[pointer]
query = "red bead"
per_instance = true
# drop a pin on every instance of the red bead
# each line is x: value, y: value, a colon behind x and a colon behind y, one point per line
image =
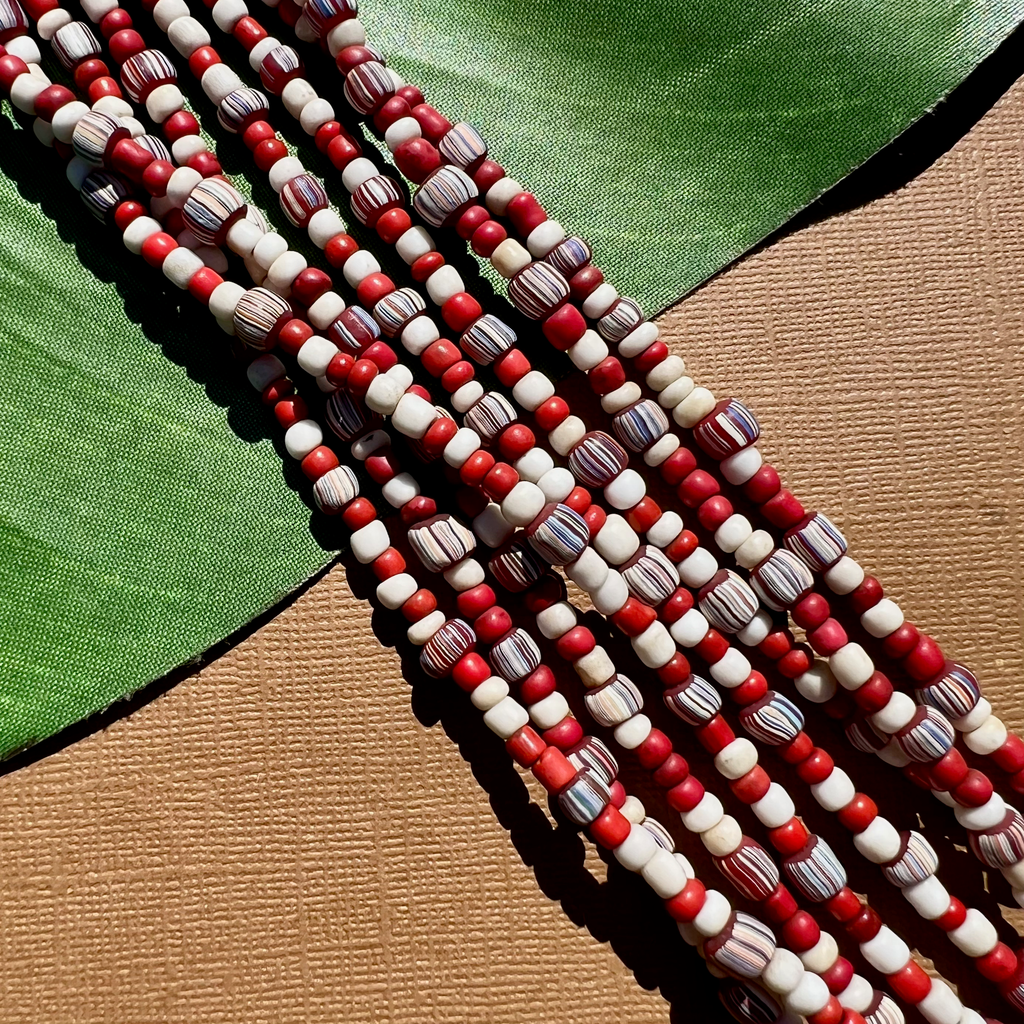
x: 801, y: 932
x: 389, y: 563
x: 1010, y: 756
x: 51, y: 99
x: 654, y: 750
x: 579, y: 499
x: 954, y: 916
x: 715, y: 735
x: 411, y: 94
x: 676, y: 671
x: 358, y: 514
x: 392, y: 224
x: 753, y: 688
x: 383, y: 465
x: 437, y: 357
x: 525, y: 212
x: 202, y: 60
x: 470, y: 219
x: 606, y: 376
x: 268, y: 152
x: 373, y: 288
x: 457, y: 375
x: 319, y: 461
x: 115, y: 20
x: 289, y: 12
x: 460, y: 311
x: 610, y: 828
x: 651, y: 357
x: 901, y: 641
x: 438, y: 434
x: 124, y: 44
x: 309, y: 285
x: 417, y: 158
x: 325, y: 133
x: 789, y: 838
x: 751, y: 787
x: 10, y: 68
x: 511, y: 366
x: 205, y: 163
x: 470, y: 671
x: 844, y: 906
x: 564, y: 327
x: 566, y: 734
x: 815, y: 768
x: 910, y: 982
x: 525, y: 746
x: 476, y: 467
x: 762, y: 485
x: 925, y: 661
x: 797, y: 749
x: 553, y: 770
x: 203, y: 283
x: 492, y: 624
x: 595, y: 518
x: 342, y: 150
x: 874, y: 694
x: 828, y: 638
x: 671, y: 771
x: 617, y: 794
x: 103, y: 86
x: 487, y: 174
x: 155, y: 177
x: 858, y: 813
x: 866, y: 596
x: 783, y: 510
x: 548, y: 590
x: 576, y: 643
x: 433, y: 124
x: 415, y: 510
x: 584, y: 281
x: 248, y: 31
x: 276, y: 390
x: 633, y: 618
x: 393, y: 110
x: 686, y: 905
x: 294, y: 335
x: 88, y: 71
x: 830, y: 1013
x: 998, y: 964
x: 795, y: 662
x: 686, y: 795
x: 339, y: 248
x: 257, y: 132
x: 780, y: 906
x: 683, y: 546
x: 515, y: 441
x: 644, y: 514
x: 551, y: 413
x: 865, y: 925
x: 157, y: 248
x: 713, y: 647
x: 810, y: 611
x: 714, y: 511
x: 290, y: 410
x: 677, y: 466
x: 696, y: 488
x: 423, y: 267
x: 676, y: 606
x: 487, y: 237
x: 950, y: 770
x: 975, y: 789
x: 537, y: 685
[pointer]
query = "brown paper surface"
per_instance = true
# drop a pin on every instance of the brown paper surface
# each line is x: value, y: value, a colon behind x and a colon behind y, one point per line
x: 278, y: 837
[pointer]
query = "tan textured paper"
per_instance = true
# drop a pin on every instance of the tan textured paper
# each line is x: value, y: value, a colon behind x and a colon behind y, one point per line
x: 278, y: 838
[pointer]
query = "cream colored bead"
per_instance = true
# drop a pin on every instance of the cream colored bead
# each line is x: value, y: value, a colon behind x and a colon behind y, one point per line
x: 732, y: 669
x: 756, y: 629
x: 612, y: 595
x: 714, y: 915
x: 464, y: 575
x: 667, y: 371
x: 974, y: 718
x: 675, y: 392
x: 664, y: 874
x: 988, y: 737
x: 756, y: 548
x: 742, y: 465
x: 694, y: 407
x: 633, y: 810
x: 737, y: 758
x: 621, y: 398
x: 817, y: 684
x: 690, y: 629
x: 852, y: 666
x: 556, y: 620
x: 723, y: 838
x: 492, y: 527
x: 631, y: 733
x: 654, y: 646
x: 490, y: 692
x: 509, y: 258
x: 567, y: 434
x: 845, y: 576
x: 595, y: 667
x: 500, y: 194
x: 661, y: 450
x: 506, y: 718
x: 883, y: 619
x: 549, y: 711
x: 296, y: 94
x: 733, y: 532
x: 599, y: 301
x: 822, y: 955
x: 705, y: 815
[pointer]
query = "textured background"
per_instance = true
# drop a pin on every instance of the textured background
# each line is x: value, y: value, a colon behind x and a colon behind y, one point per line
x: 277, y: 838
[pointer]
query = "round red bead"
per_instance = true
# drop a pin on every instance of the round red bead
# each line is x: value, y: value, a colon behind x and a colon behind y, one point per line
x: 551, y: 413
x: 762, y: 485
x: 319, y: 461
x: 858, y: 813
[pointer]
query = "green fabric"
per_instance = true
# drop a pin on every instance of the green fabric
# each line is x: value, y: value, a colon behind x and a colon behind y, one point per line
x: 144, y: 512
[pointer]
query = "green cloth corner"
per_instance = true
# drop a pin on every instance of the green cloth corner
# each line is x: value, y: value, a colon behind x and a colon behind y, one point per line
x: 145, y: 512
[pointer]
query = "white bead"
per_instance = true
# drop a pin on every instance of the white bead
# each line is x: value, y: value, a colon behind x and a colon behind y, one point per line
x: 968, y: 1016
x: 941, y: 1005
x: 626, y: 490
x: 402, y: 130
x: 370, y: 541
x: 557, y: 484
x: 654, y: 646
x: 363, y: 447
x: 886, y: 952
x: 879, y: 842
x: 756, y: 629
x: 413, y: 244
x: 492, y: 527
x: 898, y: 711
x: 636, y: 849
x: 65, y: 119
x: 817, y: 684
x: 599, y: 301
x: 976, y: 936
x: 694, y: 407
x: 547, y: 713
x: 302, y: 437
x: 326, y: 310
x: 858, y: 995
x: 783, y: 972
x: 666, y: 372
x: 95, y: 11
x: 419, y: 334
x: 295, y: 95
x: 665, y: 530
x: 612, y: 595
x: 567, y: 434
x: 775, y: 808
x: 383, y: 394
x: 631, y: 733
x: 675, y: 393
x: 845, y: 576
x: 166, y: 12
x: 714, y: 915
x: 929, y: 898
x: 544, y: 237
x: 809, y: 996
x: 852, y: 666
x: 467, y: 396
x: 733, y: 532
x: 314, y: 113
x: 77, y: 170
x: 42, y: 130
x: 883, y: 618
x: 283, y: 271
x: 616, y: 541
x: 835, y: 792
x: 556, y: 620
x: 705, y: 815
x: 394, y: 592
x: 412, y: 415
x: 594, y: 668
x: 228, y: 13
x: 509, y: 258
x: 180, y: 186
x: 988, y: 815
x: 261, y: 49
x: 501, y: 193
x: 323, y: 226
x: 737, y: 758
x: 138, y: 231
x: 621, y: 398
x: 633, y: 810
x: 589, y: 571
x: 690, y: 629
x: 731, y: 669
x: 698, y: 568
x: 243, y: 236
x: 464, y: 575
x: 348, y: 33
x: 24, y: 90
x: 135, y: 126
x: 588, y: 351
x: 522, y: 504
x: 638, y: 340
x: 325, y: 385
x: 443, y: 283
x: 400, y: 489
x: 1014, y: 874
x: 224, y: 298
x: 944, y: 797
x: 420, y: 632
x: 756, y: 548
x: 534, y: 464
x: 739, y: 467
x: 179, y: 266
x: 988, y: 737
x: 186, y: 35
x: 532, y: 390
x: 219, y: 81
x: 490, y: 692
x: 723, y: 838
x: 49, y: 22
x: 822, y: 955
x: 264, y: 370
x: 506, y: 718
x: 974, y: 718
x: 359, y: 266
x: 283, y: 171
x: 664, y: 874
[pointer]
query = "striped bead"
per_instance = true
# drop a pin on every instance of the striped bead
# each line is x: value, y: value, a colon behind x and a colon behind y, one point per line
x: 74, y: 43
x: 584, y: 798
x: 254, y: 215
x: 450, y: 643
x: 661, y: 835
x: 927, y: 736
x: 649, y: 575
x: 559, y: 535
x: 743, y: 948
x: 728, y: 428
x: 751, y: 870
x: 611, y: 704
x: 816, y: 542
x: 368, y: 86
x: 570, y: 256
x: 335, y: 489
x: 490, y: 415
x: 240, y: 108
x: 750, y: 1004
x: 323, y: 15
x: 279, y: 67
x: 13, y: 21
x: 882, y: 1010
x: 462, y: 145
x: 1013, y: 994
x: 301, y: 197
x: 864, y: 736
x: 211, y: 208
x: 623, y: 318
x: 259, y: 316
x: 515, y: 566
x: 538, y: 290
x: 353, y: 330
x: 916, y: 861
x: 694, y: 700
x: 151, y: 144
x: 774, y: 719
x: 1001, y: 846
x: 593, y: 755
x: 515, y: 655
x: 374, y: 197
x: 487, y: 338
x: 639, y: 425
x: 955, y: 692
x: 781, y: 580
x: 95, y: 136
x: 727, y: 601
x: 395, y: 310
x: 444, y: 194
x: 141, y: 74
x: 440, y: 542
x: 349, y: 418
x: 102, y: 193
x: 597, y: 459
x: 816, y: 871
